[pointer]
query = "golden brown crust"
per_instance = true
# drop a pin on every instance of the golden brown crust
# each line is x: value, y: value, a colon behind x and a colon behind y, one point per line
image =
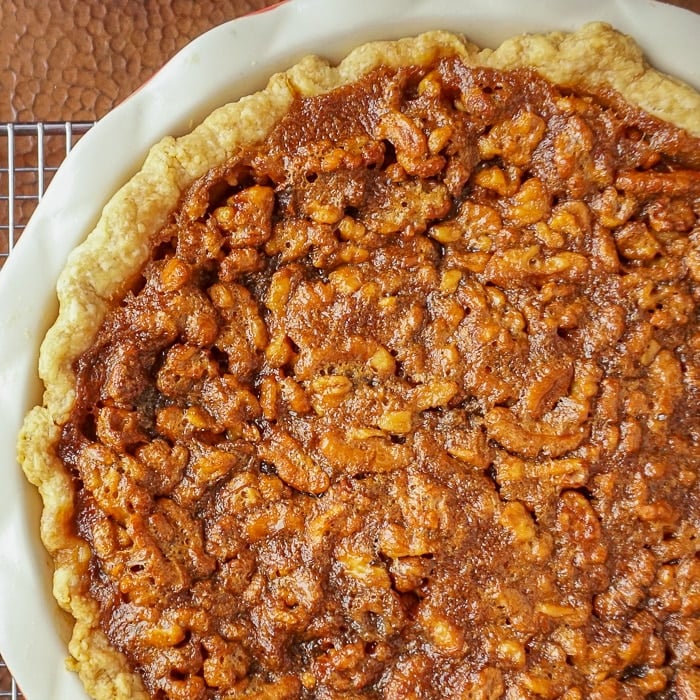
x: 595, y: 56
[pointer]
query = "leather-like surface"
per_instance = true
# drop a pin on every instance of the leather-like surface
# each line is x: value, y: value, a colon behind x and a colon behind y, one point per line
x: 67, y: 60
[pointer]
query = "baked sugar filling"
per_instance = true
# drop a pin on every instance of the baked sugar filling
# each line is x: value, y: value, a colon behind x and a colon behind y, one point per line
x: 405, y: 405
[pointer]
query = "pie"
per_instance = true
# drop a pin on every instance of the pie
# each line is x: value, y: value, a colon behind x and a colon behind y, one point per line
x: 383, y: 383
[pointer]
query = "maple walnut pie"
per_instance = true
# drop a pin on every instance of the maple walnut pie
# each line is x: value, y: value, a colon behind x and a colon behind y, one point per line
x: 383, y: 383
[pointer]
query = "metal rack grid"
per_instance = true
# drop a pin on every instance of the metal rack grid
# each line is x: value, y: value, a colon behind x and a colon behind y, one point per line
x: 29, y: 157
x: 8, y: 685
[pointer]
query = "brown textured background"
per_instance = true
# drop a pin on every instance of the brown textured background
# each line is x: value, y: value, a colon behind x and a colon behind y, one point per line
x: 76, y: 59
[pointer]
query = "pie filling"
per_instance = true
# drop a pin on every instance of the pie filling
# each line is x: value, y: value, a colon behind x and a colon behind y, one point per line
x: 405, y: 405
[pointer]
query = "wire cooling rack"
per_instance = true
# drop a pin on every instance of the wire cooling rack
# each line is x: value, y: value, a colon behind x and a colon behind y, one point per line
x: 8, y: 686
x: 29, y: 156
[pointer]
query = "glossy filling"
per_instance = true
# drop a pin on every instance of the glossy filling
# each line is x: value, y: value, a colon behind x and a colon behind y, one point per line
x: 405, y: 405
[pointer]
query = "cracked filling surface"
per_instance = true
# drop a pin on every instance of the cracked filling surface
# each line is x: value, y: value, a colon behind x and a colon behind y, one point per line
x: 405, y: 405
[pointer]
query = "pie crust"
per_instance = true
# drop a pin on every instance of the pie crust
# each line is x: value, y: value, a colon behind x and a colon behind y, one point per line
x: 100, y: 270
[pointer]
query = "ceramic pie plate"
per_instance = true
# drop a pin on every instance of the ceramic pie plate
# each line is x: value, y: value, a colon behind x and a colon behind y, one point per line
x: 227, y: 62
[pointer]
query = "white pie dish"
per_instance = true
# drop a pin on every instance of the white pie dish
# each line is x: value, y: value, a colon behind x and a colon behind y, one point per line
x: 227, y: 62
